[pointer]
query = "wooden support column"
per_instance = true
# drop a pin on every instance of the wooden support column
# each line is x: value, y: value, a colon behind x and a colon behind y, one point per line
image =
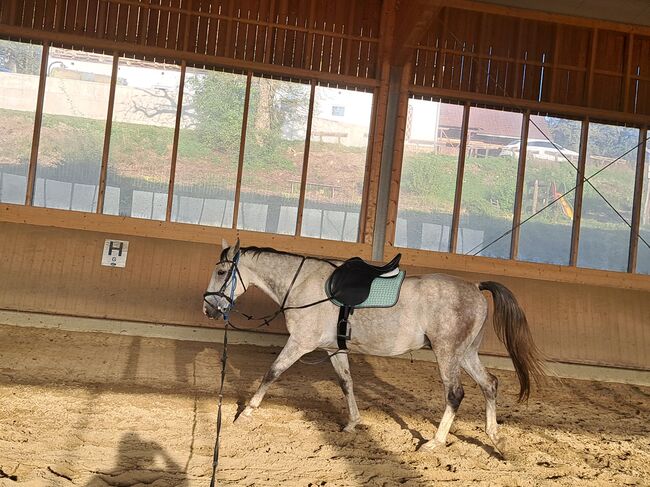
x: 177, y: 130
x: 393, y: 152
x: 101, y: 191
x: 455, y: 221
x: 577, y: 207
x: 638, y: 200
x: 305, y: 160
x: 242, y: 148
x: 370, y: 206
x: 38, y: 120
x: 519, y: 191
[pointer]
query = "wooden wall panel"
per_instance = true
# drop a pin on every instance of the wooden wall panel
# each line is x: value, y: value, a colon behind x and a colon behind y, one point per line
x: 57, y: 271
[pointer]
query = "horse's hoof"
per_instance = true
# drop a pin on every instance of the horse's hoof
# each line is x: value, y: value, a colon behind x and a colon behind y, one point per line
x: 245, y: 416
x: 500, y: 445
x: 350, y: 428
x: 431, y: 445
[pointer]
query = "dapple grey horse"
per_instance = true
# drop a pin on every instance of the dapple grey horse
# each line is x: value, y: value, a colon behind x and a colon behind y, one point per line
x: 442, y: 311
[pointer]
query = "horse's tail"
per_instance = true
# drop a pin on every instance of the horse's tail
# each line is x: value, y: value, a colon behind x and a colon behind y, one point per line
x: 512, y: 329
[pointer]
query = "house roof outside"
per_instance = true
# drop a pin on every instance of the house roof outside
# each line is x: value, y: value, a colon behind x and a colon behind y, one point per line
x: 487, y: 122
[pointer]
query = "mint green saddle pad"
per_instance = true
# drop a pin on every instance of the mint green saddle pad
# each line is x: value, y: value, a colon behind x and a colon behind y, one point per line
x: 384, y: 292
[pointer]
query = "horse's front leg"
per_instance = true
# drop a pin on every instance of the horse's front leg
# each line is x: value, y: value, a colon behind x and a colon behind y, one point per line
x: 342, y: 368
x: 291, y: 352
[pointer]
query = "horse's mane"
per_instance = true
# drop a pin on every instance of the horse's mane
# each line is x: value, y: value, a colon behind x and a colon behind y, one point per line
x: 256, y: 251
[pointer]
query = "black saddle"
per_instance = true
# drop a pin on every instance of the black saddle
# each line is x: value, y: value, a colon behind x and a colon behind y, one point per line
x: 350, y: 283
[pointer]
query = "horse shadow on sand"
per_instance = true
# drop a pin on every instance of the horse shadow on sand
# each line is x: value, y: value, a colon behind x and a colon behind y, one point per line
x: 140, y: 462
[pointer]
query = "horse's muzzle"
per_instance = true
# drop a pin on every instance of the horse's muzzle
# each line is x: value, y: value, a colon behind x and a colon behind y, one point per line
x: 211, y: 309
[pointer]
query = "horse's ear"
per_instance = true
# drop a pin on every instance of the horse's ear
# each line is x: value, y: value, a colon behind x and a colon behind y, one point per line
x: 232, y: 251
x: 224, y: 244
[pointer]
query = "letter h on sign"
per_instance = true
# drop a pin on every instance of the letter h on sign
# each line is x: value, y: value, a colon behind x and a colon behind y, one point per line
x: 115, y: 252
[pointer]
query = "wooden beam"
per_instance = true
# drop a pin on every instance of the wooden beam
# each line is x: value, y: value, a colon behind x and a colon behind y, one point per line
x: 455, y: 221
x: 577, y: 207
x: 305, y: 160
x: 177, y: 131
x: 627, y: 81
x: 242, y: 149
x: 368, y: 214
x: 639, y: 182
x: 524, y: 13
x: 557, y: 42
x: 414, y: 18
x: 397, y: 153
x: 120, y: 225
x: 190, y: 57
x: 38, y: 120
x: 101, y: 190
x: 519, y: 190
x: 591, y: 68
x: 520, y: 104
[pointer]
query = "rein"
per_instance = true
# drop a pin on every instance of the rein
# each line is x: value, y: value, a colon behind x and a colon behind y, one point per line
x: 231, y: 280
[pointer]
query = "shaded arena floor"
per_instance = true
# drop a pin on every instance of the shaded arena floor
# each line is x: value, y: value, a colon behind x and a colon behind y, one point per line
x: 95, y: 410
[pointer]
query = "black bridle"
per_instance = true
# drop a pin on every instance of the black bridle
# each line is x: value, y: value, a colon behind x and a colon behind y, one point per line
x: 233, y: 274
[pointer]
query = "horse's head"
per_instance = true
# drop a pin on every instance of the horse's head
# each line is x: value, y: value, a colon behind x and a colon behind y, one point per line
x: 225, y: 284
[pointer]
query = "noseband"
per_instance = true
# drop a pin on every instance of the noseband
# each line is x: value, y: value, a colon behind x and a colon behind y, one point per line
x: 231, y: 279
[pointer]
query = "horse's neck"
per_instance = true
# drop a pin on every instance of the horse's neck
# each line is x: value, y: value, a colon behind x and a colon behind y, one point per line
x: 272, y: 273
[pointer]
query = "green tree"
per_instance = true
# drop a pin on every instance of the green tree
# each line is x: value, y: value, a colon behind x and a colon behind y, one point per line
x: 19, y: 57
x: 218, y: 100
x: 277, y: 115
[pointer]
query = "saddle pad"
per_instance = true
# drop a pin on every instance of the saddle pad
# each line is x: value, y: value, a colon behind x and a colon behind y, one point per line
x: 384, y: 292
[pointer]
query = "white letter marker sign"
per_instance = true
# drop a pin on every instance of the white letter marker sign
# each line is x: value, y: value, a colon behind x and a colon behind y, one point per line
x: 114, y: 254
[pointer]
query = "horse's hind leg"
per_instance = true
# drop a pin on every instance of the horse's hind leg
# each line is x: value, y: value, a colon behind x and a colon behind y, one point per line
x: 291, y: 352
x: 342, y: 368
x: 488, y: 384
x: 449, y: 367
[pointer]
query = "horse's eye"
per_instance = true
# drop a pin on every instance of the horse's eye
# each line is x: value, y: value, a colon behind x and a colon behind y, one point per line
x: 221, y: 273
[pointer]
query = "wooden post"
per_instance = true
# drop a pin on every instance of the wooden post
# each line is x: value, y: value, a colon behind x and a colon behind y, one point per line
x: 455, y: 221
x: 38, y: 120
x: 242, y: 148
x: 638, y: 194
x: 305, y: 159
x: 519, y: 191
x: 580, y: 179
x: 177, y: 130
x: 101, y: 192
x: 393, y: 153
